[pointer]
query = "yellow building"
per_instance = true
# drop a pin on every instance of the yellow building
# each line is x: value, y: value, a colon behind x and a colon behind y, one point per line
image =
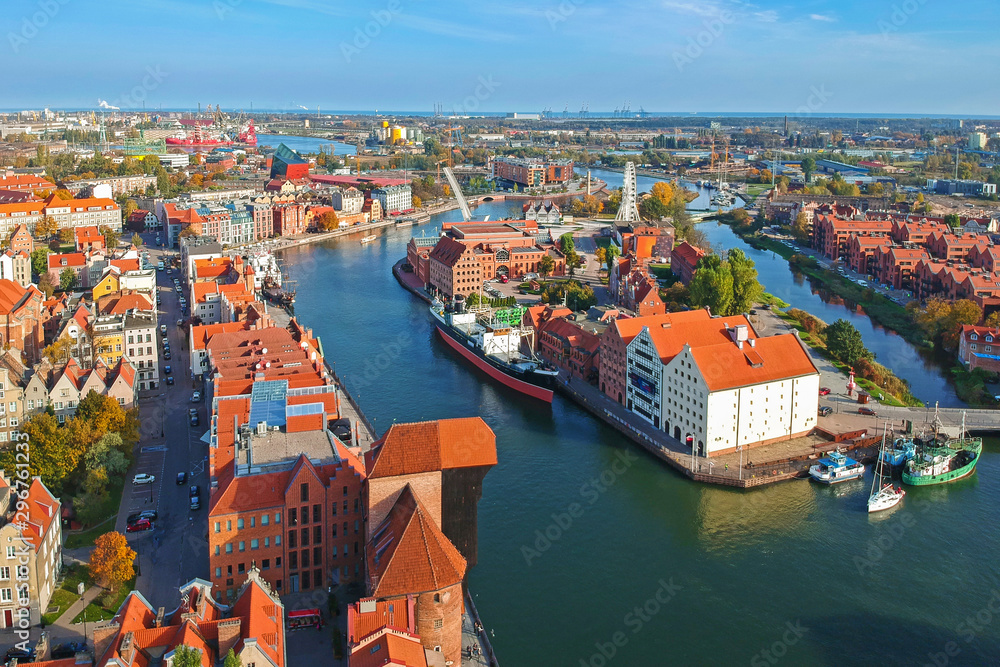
x: 109, y: 339
x: 109, y: 284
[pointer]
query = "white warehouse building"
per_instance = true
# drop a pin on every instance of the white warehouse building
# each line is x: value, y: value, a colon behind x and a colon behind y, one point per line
x: 713, y: 384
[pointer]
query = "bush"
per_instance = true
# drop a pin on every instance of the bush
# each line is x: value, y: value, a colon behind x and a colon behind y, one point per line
x: 810, y: 323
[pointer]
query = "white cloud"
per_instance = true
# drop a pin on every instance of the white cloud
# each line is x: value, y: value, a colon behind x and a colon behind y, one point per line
x: 822, y: 17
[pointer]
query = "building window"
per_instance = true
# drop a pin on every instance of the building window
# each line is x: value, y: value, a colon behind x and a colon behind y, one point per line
x: 293, y: 517
x: 265, y: 564
x: 304, y: 493
x: 317, y: 534
x: 254, y: 544
x: 333, y: 511
x: 305, y: 514
x: 264, y: 520
x: 317, y: 513
x: 4, y: 574
x: 217, y: 526
x: 229, y: 547
x: 239, y: 524
x: 229, y: 525
x: 277, y: 517
x: 305, y: 537
x: 5, y: 595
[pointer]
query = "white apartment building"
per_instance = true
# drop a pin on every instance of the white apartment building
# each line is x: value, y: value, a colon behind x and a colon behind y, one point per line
x: 394, y: 198
x: 38, y: 540
x: 141, y: 347
x: 67, y: 213
x: 714, y: 385
x: 348, y: 201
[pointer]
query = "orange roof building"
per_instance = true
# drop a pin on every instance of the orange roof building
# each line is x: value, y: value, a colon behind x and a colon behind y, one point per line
x: 712, y: 383
x: 36, y: 533
x: 252, y: 626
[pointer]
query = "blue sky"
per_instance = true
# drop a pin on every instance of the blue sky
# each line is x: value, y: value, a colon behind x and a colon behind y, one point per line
x: 821, y: 56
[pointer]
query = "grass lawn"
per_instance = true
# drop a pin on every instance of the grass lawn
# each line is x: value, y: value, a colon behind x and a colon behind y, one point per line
x: 87, y: 537
x: 755, y: 189
x: 95, y: 611
x: 64, y: 596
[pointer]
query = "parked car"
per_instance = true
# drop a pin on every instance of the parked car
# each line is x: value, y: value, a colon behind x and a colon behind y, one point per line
x: 166, y: 354
x: 147, y: 514
x: 165, y: 341
x: 824, y: 391
x: 193, y: 415
x: 68, y: 650
x: 195, y: 397
x: 182, y: 477
x: 144, y: 478
x: 163, y: 329
x: 865, y: 410
x: 166, y: 369
x: 170, y: 379
x: 825, y: 410
x: 22, y: 655
x: 139, y: 526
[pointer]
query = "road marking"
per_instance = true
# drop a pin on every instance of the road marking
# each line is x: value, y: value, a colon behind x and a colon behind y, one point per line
x: 154, y: 448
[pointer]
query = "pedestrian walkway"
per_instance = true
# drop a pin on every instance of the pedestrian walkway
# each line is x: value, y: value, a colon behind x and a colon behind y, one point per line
x: 64, y: 629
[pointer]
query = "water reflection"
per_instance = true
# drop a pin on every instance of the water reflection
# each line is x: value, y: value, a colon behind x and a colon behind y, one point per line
x: 731, y: 520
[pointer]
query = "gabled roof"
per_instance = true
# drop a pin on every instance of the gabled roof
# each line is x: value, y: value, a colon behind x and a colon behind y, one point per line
x: 430, y: 446
x: 67, y: 260
x: 448, y: 251
x: 42, y: 510
x: 726, y: 366
x: 13, y: 296
x: 408, y: 553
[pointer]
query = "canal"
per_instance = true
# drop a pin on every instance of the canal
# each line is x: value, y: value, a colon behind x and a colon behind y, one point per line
x: 584, y: 541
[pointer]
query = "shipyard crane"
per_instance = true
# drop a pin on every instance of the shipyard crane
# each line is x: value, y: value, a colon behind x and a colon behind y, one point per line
x: 462, y: 204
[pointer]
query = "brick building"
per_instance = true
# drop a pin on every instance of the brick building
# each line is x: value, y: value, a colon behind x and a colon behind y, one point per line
x: 288, y: 219
x: 423, y: 487
x: 21, y: 319
x: 684, y: 261
x: 979, y: 347
x: 454, y: 269
x: 21, y: 240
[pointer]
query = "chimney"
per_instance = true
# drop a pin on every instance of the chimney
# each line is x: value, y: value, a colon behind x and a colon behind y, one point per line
x: 160, y: 612
x: 103, y: 636
x: 229, y: 634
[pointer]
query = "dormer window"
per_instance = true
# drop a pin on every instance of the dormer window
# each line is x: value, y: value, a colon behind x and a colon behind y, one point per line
x: 989, y: 339
x: 974, y: 337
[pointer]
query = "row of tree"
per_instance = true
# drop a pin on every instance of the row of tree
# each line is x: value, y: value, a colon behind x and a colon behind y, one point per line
x: 727, y: 286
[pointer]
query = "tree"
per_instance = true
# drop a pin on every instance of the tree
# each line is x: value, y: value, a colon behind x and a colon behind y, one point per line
x: 963, y: 311
x: 993, y: 320
x: 111, y: 237
x: 416, y: 201
x: 136, y: 240
x: 107, y: 454
x: 59, y: 350
x: 47, y: 227
x: 45, y: 285
x: 953, y: 220
x: 653, y: 208
x: 105, y: 415
x: 67, y: 279
x: 128, y: 207
x: 186, y: 232
x: 844, y: 342
x: 712, y: 285
x: 808, y: 167
x: 747, y: 290
x: 53, y: 457
x: 566, y: 243
x: 601, y: 255
x: 800, y: 228
x: 663, y: 191
x: 112, y: 562
x: 66, y: 235
x: 546, y: 265
x: 327, y: 221
x: 610, y: 253
x: 232, y: 660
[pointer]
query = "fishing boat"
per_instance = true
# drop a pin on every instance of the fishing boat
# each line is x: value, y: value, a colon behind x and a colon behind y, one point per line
x: 836, y: 468
x: 490, y: 339
x: 902, y: 450
x: 884, y: 495
x: 368, y: 239
x: 942, y: 460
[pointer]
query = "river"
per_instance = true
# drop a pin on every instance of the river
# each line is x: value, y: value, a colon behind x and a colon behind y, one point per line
x: 578, y: 528
x: 920, y: 369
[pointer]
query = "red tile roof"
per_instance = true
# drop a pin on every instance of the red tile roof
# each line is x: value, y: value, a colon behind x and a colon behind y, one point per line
x: 429, y: 446
x: 408, y: 553
x: 43, y: 509
x: 67, y: 260
x: 725, y: 366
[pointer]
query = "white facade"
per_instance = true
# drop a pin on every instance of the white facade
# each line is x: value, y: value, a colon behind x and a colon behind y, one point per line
x: 141, y: 347
x: 348, y: 202
x: 394, y: 198
x: 675, y: 397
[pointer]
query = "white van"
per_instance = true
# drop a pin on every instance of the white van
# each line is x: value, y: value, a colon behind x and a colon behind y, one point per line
x: 159, y: 265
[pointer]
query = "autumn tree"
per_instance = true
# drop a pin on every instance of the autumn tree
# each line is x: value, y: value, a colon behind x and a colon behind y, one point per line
x: 128, y: 207
x: 993, y: 320
x: 46, y: 228
x: 112, y: 563
x: 601, y: 255
x: 105, y: 415
x: 52, y: 456
x: 187, y: 231
x: 59, y: 350
x: 136, y: 240
x: 66, y: 235
x: 663, y: 191
x: 942, y: 320
x: 416, y: 201
x: 111, y: 237
x: 328, y: 221
x: 800, y: 228
x: 46, y: 285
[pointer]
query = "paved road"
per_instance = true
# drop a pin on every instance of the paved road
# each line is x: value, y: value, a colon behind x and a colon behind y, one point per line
x: 176, y: 550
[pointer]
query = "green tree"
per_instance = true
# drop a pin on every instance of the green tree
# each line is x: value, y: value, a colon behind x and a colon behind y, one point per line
x: 51, y: 456
x: 232, y: 660
x: 808, y: 167
x: 136, y: 240
x: 105, y: 415
x: 610, y: 253
x: 844, y: 342
x: 653, y: 208
x: 712, y: 285
x: 107, y: 454
x: 800, y: 228
x: 185, y: 656
x: 952, y: 219
x: 40, y: 261
x: 566, y: 243
x: 111, y: 237
x: 747, y: 290
x: 546, y: 265
x: 67, y: 279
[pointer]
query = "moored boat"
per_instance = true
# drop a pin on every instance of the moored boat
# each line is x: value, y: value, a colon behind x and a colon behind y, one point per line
x: 902, y: 450
x: 944, y: 460
x: 836, y: 468
x: 491, y: 341
x: 368, y: 239
x: 884, y: 495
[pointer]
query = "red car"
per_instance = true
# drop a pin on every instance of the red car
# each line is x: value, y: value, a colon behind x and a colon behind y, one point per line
x: 139, y: 526
x: 824, y: 391
x: 867, y: 411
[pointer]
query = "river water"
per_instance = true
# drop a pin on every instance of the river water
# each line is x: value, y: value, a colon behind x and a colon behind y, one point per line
x: 578, y: 528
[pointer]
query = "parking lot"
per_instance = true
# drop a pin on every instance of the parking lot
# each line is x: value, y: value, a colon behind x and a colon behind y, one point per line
x: 151, y: 461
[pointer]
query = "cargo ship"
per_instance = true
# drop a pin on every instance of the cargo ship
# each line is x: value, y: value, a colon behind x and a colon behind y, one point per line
x: 198, y: 136
x: 490, y: 340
